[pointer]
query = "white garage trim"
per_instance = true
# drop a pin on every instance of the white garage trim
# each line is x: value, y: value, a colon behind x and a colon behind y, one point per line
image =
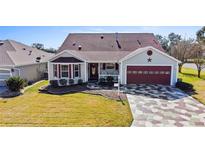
x: 140, y: 50
x: 172, y: 69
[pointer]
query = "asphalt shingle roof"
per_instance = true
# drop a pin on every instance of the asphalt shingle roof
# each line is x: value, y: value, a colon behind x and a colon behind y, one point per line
x: 107, y: 46
x: 16, y: 53
x: 109, y: 41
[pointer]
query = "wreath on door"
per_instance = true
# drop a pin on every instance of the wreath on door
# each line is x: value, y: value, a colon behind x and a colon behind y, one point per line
x: 93, y: 70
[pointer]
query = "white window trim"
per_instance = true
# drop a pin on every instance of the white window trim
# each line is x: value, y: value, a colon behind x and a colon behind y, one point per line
x: 64, y: 72
x: 56, y: 70
x: 76, y: 70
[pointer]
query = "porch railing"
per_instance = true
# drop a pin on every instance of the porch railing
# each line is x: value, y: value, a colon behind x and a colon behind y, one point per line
x: 104, y: 76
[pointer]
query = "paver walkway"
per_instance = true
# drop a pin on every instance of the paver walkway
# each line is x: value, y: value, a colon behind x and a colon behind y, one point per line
x: 158, y: 105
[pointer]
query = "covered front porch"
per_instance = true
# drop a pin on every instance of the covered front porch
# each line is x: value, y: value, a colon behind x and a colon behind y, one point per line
x: 73, y: 72
x: 101, y: 71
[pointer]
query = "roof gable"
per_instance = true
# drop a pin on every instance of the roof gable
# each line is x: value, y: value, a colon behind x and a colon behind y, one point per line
x: 67, y: 60
x: 145, y: 49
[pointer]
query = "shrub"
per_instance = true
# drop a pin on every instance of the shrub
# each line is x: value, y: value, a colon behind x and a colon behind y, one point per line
x: 15, y: 84
x: 184, y: 86
x: 71, y: 81
x: 102, y: 80
x: 63, y: 82
x: 80, y: 81
x: 110, y: 80
x: 25, y: 82
x: 179, y: 80
x: 30, y: 82
x: 54, y: 83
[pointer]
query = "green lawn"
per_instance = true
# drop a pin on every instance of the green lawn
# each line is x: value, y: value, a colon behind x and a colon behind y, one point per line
x: 190, y: 76
x: 78, y: 109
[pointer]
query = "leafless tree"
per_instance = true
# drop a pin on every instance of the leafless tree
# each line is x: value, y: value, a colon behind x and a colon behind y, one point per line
x: 182, y: 51
x: 198, y: 57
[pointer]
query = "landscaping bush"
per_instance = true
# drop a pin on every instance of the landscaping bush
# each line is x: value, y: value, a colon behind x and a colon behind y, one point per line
x: 179, y: 80
x: 54, y: 83
x: 15, y: 84
x: 101, y: 81
x: 110, y: 80
x: 80, y: 81
x: 184, y: 86
x: 63, y: 82
x: 25, y: 82
x: 71, y: 81
x: 30, y: 82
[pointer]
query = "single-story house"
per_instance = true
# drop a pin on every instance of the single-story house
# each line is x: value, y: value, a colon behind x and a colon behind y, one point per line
x: 130, y: 58
x: 17, y: 59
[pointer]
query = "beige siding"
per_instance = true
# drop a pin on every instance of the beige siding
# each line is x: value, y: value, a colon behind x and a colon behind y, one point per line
x: 158, y: 59
x: 32, y: 72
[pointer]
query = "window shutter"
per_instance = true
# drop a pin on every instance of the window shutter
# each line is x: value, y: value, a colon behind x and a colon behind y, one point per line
x: 59, y: 70
x: 103, y: 66
x: 116, y: 66
x: 73, y: 70
x: 69, y: 67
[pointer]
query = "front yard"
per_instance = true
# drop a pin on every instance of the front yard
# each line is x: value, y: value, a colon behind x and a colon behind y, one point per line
x: 190, y: 76
x: 77, y: 109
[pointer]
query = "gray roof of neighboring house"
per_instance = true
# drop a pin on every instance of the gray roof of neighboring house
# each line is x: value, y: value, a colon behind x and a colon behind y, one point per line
x: 16, y: 53
x: 109, y: 41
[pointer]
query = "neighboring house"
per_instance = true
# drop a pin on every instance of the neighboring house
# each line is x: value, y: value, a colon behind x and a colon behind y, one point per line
x: 17, y: 59
x: 133, y: 58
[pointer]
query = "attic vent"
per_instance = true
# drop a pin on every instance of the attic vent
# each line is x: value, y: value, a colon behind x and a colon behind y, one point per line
x: 74, y: 43
x: 79, y: 47
x: 1, y: 42
x: 155, y: 41
x: 38, y: 59
x: 101, y: 36
x: 139, y: 42
x: 24, y: 48
x: 30, y: 52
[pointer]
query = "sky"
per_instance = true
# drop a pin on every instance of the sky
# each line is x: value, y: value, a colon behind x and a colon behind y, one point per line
x: 53, y: 36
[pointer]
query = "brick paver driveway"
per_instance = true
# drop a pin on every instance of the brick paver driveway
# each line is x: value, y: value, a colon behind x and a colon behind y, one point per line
x: 157, y: 105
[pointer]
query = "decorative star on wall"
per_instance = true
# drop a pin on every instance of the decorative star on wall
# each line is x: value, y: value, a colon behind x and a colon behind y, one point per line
x: 149, y: 60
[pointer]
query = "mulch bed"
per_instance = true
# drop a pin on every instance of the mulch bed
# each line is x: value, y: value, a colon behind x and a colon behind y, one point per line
x: 63, y: 90
x: 9, y: 94
x: 111, y: 94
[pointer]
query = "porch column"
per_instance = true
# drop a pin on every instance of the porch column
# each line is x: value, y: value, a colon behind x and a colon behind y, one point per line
x: 120, y: 72
x: 85, y: 67
x: 71, y: 71
x: 49, y: 72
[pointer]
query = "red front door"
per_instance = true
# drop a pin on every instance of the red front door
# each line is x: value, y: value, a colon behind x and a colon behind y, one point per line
x: 149, y: 75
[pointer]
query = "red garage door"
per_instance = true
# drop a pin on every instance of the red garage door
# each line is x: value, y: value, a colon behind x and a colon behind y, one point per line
x: 149, y: 75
